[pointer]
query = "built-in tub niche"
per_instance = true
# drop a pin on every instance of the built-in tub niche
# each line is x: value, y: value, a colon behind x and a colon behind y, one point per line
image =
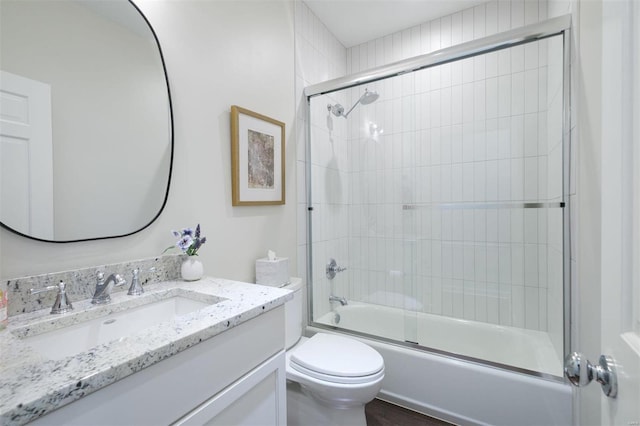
x: 446, y: 200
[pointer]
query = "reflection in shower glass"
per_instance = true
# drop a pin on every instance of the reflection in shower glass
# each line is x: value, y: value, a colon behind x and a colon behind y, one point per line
x: 443, y: 198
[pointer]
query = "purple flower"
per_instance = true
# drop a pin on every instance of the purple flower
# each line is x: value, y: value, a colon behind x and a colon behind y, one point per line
x: 184, y: 243
x: 189, y: 241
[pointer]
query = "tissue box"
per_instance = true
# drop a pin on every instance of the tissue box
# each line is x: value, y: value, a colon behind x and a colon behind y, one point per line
x: 273, y: 273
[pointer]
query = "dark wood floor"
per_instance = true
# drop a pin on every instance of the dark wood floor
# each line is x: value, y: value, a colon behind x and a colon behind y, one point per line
x: 381, y: 413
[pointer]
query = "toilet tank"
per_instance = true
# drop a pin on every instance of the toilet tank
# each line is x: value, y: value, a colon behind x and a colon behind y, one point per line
x: 293, y: 313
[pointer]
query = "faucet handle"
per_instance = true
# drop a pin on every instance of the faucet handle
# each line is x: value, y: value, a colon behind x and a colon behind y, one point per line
x: 136, y: 288
x: 62, y: 303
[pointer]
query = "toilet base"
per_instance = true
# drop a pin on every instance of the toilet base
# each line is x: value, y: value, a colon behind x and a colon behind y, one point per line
x: 304, y: 410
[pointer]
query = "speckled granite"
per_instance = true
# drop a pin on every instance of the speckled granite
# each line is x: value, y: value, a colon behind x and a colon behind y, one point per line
x: 81, y: 283
x: 32, y: 385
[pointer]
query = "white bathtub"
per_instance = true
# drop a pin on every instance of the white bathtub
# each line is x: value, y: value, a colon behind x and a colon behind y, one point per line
x: 456, y: 390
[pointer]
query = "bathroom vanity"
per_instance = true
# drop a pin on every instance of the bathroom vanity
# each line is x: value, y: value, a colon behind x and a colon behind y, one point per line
x: 221, y: 362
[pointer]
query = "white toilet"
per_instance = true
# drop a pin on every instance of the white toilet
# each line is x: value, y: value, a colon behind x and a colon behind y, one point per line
x: 330, y: 378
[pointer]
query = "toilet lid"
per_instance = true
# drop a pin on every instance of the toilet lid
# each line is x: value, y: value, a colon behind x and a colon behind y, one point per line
x: 337, y: 356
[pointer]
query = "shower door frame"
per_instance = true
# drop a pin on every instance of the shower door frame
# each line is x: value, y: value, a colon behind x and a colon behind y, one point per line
x: 558, y: 26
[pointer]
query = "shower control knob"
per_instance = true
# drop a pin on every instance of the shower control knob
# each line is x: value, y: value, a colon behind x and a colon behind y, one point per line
x: 581, y: 372
x: 332, y: 269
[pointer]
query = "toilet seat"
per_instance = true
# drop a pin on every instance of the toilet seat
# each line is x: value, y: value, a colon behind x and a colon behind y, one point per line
x: 337, y: 359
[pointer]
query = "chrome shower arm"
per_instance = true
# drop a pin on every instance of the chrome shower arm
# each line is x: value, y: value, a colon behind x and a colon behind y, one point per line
x: 351, y: 109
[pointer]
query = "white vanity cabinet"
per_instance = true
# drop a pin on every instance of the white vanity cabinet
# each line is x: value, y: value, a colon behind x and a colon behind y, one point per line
x: 234, y: 378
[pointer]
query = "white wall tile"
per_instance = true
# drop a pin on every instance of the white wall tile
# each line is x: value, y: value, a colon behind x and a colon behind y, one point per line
x: 467, y: 102
x: 531, y: 265
x: 491, y: 93
x: 479, y: 21
x: 469, y: 263
x: 504, y: 96
x: 480, y: 263
x: 458, y: 225
x: 504, y: 180
x: 456, y: 28
x: 468, y: 222
x: 479, y: 101
x: 491, y: 17
x: 517, y: 13
x: 469, y: 300
x: 531, y: 178
x: 492, y: 139
x: 530, y: 135
x: 445, y: 31
x: 505, y: 305
x: 492, y: 226
x: 468, y: 19
x: 504, y: 15
x: 445, y: 137
x: 445, y: 106
x: 517, y: 225
x: 458, y: 261
x: 468, y: 182
x: 457, y: 182
x: 531, y: 11
x: 517, y: 307
x: 531, y: 91
x: 445, y: 75
x: 493, y: 268
x: 479, y: 181
x: 480, y: 226
x: 446, y: 182
x: 517, y: 93
x: 479, y: 141
x: 457, y: 296
x: 517, y: 264
x: 447, y: 260
x: 493, y: 303
x: 517, y: 179
x: 481, y: 313
x: 468, y: 149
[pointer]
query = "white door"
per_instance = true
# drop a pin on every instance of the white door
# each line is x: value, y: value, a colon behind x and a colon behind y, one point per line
x: 609, y: 318
x: 26, y: 156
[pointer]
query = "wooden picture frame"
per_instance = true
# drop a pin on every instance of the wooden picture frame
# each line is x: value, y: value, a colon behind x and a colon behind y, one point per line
x: 257, y: 159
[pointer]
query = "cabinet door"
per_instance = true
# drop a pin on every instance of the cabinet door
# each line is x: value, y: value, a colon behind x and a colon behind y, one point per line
x: 257, y: 399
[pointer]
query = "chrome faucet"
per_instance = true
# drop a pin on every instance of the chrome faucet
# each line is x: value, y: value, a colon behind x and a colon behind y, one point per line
x: 104, y: 286
x: 342, y: 300
x: 62, y: 303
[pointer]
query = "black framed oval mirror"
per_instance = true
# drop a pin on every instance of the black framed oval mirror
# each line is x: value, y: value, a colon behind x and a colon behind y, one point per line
x: 86, y: 122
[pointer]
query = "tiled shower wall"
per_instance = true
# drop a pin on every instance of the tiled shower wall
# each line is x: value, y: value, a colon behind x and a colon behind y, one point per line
x: 320, y: 57
x: 471, y: 131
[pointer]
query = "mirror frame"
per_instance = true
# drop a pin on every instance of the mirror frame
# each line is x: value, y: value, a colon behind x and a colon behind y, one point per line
x: 172, y: 142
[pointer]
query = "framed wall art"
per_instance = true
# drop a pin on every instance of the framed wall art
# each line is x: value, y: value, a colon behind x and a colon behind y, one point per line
x: 257, y: 159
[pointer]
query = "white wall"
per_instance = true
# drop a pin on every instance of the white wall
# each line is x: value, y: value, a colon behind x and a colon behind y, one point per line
x: 217, y: 54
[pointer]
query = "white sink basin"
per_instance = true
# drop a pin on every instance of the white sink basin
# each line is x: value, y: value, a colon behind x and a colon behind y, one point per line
x: 77, y: 338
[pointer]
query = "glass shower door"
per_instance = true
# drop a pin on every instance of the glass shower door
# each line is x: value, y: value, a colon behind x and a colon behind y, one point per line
x: 442, y: 191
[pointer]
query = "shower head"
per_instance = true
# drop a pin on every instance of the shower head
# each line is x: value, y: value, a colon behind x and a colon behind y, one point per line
x: 366, y: 99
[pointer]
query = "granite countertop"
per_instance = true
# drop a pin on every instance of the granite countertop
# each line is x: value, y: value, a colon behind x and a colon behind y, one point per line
x: 32, y: 384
